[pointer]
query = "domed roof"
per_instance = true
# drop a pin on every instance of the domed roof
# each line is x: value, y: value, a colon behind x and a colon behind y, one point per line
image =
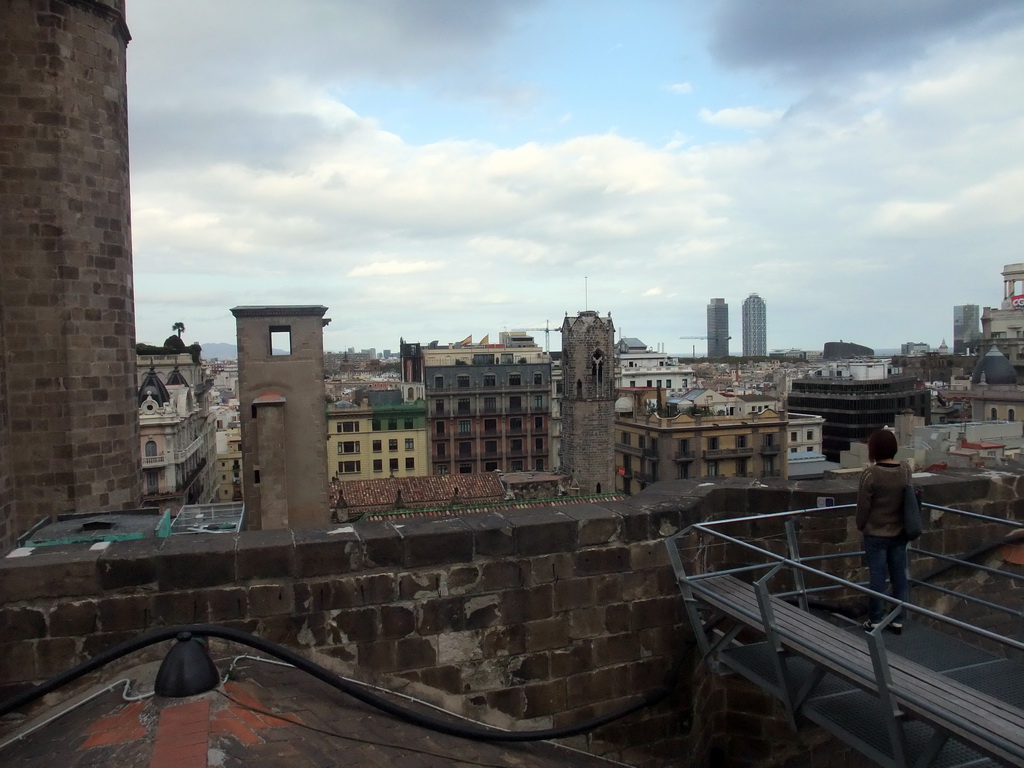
x: 995, y: 368
x: 176, y: 379
x: 151, y: 386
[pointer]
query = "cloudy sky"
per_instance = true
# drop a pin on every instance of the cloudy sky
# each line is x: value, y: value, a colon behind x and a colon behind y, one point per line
x: 436, y: 169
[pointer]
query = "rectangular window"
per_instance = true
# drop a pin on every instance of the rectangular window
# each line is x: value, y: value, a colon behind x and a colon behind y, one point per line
x: 712, y: 468
x: 517, y: 465
x: 490, y: 380
x: 538, y: 379
x: 337, y: 426
x: 410, y: 444
x: 393, y: 444
x: 741, y: 467
x: 769, y: 440
x: 439, y: 427
x: 465, y: 449
x: 684, y: 446
x: 683, y: 471
x: 442, y: 450
x: 538, y: 401
x: 392, y: 424
x: 538, y: 465
x: 440, y: 469
x: 378, y: 465
x: 792, y: 436
x: 464, y: 405
x: 439, y: 407
x: 490, y: 466
x: 375, y: 425
x: 741, y: 441
x: 439, y: 382
x: 351, y: 446
x: 490, y: 426
x: 348, y: 467
x: 410, y: 462
x: 641, y: 441
x: 712, y: 443
x: 280, y: 340
x: 393, y: 465
x: 668, y: 383
x: 538, y: 443
x: 491, y: 447
x: 465, y: 469
x: 376, y: 446
x: 490, y: 405
x: 463, y: 426
x: 810, y: 434
x: 339, y: 449
x: 407, y: 424
x: 350, y: 426
x: 515, y: 424
x: 517, y: 445
x: 515, y: 403
x: 515, y: 379
x: 625, y: 438
x: 462, y: 381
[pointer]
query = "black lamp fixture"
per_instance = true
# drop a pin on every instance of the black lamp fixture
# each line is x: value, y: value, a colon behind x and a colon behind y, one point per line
x: 186, y: 670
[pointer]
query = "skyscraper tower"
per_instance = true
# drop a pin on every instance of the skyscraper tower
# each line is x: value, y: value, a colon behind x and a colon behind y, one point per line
x: 69, y: 427
x: 755, y: 342
x: 966, y: 329
x: 718, y: 329
x: 588, y: 401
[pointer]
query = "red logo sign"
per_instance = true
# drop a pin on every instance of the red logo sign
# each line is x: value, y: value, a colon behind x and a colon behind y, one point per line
x: 1017, y: 302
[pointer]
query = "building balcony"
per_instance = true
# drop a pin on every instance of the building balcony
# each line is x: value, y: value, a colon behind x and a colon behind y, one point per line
x: 632, y: 450
x: 161, y: 460
x: 684, y: 456
x: 729, y: 453
x: 771, y: 450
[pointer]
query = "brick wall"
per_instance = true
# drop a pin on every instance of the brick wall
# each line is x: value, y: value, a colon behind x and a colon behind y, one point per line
x: 542, y: 617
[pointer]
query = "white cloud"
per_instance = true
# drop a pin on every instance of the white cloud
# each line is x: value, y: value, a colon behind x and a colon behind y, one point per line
x: 680, y: 88
x: 740, y: 117
x: 380, y: 268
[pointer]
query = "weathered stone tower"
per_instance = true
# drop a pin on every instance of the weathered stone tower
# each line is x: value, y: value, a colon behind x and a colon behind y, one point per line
x: 588, y: 401
x: 69, y: 436
x: 284, y: 416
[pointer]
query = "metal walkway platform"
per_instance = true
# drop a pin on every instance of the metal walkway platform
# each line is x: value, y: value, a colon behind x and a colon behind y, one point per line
x: 942, y: 693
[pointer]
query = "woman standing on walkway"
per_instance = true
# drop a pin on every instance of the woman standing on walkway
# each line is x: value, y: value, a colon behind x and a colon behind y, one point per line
x: 880, y: 519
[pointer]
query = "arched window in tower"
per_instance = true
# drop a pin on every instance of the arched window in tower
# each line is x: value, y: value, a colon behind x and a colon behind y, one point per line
x: 597, y: 365
x: 579, y: 389
x: 150, y: 448
x: 1011, y: 415
x: 992, y: 415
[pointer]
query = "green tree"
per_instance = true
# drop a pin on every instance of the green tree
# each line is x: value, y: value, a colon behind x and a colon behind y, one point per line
x: 179, y: 328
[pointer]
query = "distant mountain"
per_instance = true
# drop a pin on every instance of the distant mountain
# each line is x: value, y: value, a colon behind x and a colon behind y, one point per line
x: 220, y: 351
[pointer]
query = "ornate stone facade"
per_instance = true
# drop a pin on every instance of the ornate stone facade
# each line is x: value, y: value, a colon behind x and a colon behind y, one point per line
x: 69, y: 435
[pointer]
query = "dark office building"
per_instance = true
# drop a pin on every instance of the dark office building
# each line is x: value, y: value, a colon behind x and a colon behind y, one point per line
x: 854, y: 408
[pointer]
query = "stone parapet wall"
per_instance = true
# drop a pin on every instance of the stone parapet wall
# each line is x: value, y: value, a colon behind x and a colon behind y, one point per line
x: 532, y: 618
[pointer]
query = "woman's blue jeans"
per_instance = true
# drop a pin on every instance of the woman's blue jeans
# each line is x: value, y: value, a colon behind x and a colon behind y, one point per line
x: 887, y: 561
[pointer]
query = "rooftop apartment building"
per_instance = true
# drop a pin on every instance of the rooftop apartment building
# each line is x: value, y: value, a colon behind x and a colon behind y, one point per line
x: 488, y: 405
x: 639, y: 366
x: 857, y: 397
x: 718, y: 329
x: 658, y: 439
x: 379, y: 437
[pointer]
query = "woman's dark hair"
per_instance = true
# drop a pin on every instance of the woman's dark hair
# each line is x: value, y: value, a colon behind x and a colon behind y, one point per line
x: 882, y: 445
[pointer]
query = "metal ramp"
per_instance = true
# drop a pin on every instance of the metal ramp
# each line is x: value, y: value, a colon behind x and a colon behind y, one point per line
x: 931, y: 696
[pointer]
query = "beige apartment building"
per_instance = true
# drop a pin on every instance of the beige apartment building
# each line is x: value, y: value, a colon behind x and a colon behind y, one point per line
x: 656, y: 439
x: 367, y: 441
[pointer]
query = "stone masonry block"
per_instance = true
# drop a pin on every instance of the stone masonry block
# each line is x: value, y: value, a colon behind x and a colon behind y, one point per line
x: 493, y: 534
x: 122, y: 613
x: 546, y: 634
x: 270, y: 600
x: 541, y: 533
x: 178, y: 608
x: 268, y: 554
x: 355, y: 591
x: 415, y: 653
x: 501, y: 575
x: 381, y: 544
x: 129, y: 564
x: 421, y: 585
x: 530, y: 604
x: 378, y: 657
x: 319, y: 553
x: 544, y: 698
x: 601, y: 560
x: 55, y: 655
x: 21, y: 624
x: 396, y: 621
x: 574, y: 593
x: 596, y: 524
x: 18, y: 661
x: 73, y: 619
x: 441, y: 614
x: 226, y: 604
x: 359, y: 625
x: 67, y: 573
x: 435, y: 541
x: 187, y: 562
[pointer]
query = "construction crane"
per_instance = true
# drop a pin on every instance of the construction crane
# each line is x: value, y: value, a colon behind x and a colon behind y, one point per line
x: 547, y: 333
x: 693, y: 347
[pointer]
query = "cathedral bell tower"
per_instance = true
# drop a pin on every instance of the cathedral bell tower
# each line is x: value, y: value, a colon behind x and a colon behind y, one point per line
x: 588, y: 402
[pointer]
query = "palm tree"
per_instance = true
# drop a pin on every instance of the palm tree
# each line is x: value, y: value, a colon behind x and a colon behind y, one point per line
x: 179, y: 327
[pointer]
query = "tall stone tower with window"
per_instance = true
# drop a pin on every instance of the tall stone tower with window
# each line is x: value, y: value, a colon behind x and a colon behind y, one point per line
x: 588, y: 401
x: 69, y: 429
